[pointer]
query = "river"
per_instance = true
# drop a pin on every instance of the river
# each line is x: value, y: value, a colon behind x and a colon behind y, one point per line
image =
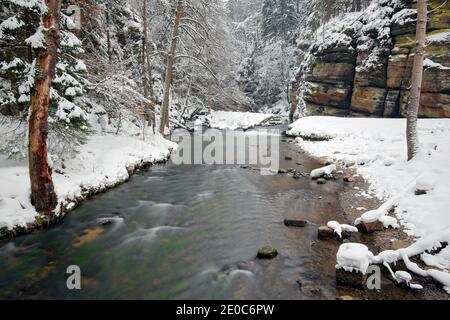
x: 186, y: 232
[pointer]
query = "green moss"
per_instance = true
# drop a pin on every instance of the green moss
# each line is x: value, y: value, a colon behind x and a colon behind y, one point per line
x: 440, y: 18
x: 437, y: 49
x: 406, y: 41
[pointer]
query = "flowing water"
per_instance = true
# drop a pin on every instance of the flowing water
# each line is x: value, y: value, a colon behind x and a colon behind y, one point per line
x: 185, y: 232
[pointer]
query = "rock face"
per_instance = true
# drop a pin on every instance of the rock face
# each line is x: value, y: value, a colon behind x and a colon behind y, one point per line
x: 367, y: 70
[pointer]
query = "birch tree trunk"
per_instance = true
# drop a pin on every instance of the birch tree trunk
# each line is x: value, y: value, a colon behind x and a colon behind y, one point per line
x: 43, y: 195
x: 169, y: 72
x: 416, y: 80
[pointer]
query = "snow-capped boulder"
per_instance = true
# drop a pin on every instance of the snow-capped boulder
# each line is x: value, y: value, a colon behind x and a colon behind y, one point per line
x: 353, y: 261
x: 320, y: 172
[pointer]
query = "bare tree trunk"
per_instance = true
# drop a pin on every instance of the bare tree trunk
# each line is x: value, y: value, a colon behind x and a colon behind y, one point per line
x: 147, y: 70
x: 169, y: 72
x: 148, y: 90
x: 293, y: 102
x: 108, y: 36
x: 43, y: 195
x: 416, y: 80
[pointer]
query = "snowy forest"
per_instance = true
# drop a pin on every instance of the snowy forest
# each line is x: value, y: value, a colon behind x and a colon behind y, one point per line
x: 229, y: 149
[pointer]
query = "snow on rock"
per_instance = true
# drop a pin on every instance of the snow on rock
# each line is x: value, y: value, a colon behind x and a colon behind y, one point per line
x: 439, y: 37
x: 101, y: 163
x: 431, y: 242
x: 355, y: 138
x: 338, y: 228
x: 442, y: 277
x: 353, y: 257
x: 389, y: 222
x: 225, y: 120
x: 428, y: 63
x: 403, y: 276
x: 378, y: 215
x: 439, y: 260
x: 415, y: 286
x: 423, y: 216
x: 320, y: 172
x: 370, y: 216
x: 425, y: 183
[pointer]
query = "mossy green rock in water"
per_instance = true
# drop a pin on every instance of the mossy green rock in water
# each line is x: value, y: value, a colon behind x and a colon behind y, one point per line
x: 321, y: 181
x: 267, y: 253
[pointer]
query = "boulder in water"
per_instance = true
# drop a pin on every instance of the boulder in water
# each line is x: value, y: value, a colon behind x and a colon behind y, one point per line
x: 267, y: 253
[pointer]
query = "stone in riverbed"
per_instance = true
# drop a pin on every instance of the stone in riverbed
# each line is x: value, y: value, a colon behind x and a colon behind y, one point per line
x: 321, y: 181
x: 295, y: 223
x: 282, y: 171
x: 267, y: 253
x: 354, y: 279
x: 420, y: 192
x: 288, y: 158
x: 346, y: 298
x: 349, y: 179
x: 131, y: 168
x: 370, y: 227
x: 325, y: 232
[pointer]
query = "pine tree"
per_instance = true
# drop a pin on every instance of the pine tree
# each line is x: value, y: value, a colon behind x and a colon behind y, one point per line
x: 279, y: 19
x: 23, y: 36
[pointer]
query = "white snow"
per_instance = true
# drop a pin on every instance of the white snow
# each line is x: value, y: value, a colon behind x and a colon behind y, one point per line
x: 428, y: 63
x: 365, y: 144
x: 389, y: 222
x: 339, y: 228
x: 442, y: 277
x: 226, y: 120
x: 320, y: 172
x: 11, y: 23
x: 14, y: 63
x: 373, y: 141
x: 439, y: 37
x: 403, y: 276
x: 353, y: 257
x: 370, y: 216
x: 101, y: 163
x: 37, y: 40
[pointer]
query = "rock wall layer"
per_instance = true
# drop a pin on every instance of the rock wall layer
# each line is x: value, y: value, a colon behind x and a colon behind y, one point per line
x: 363, y: 66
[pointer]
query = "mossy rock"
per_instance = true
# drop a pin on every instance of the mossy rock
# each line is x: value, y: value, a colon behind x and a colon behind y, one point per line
x: 440, y: 19
x: 331, y: 72
x: 368, y: 99
x: 267, y: 253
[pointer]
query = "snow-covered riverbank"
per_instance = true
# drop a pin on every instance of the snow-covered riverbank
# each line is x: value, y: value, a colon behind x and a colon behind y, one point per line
x: 226, y: 120
x: 376, y: 148
x: 103, y: 162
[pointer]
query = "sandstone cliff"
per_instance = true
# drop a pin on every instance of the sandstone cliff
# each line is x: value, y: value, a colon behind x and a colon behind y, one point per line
x: 360, y: 64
